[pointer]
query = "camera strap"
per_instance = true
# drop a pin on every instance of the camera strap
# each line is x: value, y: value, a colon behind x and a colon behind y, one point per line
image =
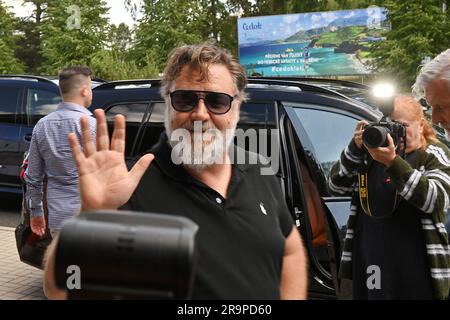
x: 363, y: 181
x: 364, y: 194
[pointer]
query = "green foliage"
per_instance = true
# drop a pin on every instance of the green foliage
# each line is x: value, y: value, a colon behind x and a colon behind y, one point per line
x: 132, y: 7
x: 116, y: 62
x: 67, y: 40
x: 165, y: 25
x: 419, y: 29
x: 43, y: 42
x: 110, y: 65
x: 119, y: 38
x: 8, y: 62
x: 29, y: 43
x: 219, y: 23
x: 343, y: 34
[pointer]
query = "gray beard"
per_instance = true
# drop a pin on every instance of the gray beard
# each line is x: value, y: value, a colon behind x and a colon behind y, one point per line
x: 197, y: 154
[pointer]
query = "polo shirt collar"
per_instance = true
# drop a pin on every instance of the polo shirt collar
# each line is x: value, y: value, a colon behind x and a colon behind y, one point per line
x: 162, y: 151
x: 74, y: 107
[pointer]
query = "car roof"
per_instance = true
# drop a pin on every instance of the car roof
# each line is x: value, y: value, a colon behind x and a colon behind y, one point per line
x: 22, y: 78
x: 27, y: 81
x: 253, y: 83
x: 95, y: 81
x: 354, y: 90
x: 268, y: 88
x: 42, y: 79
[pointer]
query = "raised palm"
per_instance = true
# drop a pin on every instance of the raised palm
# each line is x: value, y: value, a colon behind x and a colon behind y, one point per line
x: 105, y: 182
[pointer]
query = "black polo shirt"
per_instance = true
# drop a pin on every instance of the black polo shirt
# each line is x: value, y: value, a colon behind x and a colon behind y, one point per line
x: 240, y: 239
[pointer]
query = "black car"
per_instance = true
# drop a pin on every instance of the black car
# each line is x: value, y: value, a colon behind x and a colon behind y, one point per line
x: 24, y: 100
x: 315, y: 121
x: 314, y: 125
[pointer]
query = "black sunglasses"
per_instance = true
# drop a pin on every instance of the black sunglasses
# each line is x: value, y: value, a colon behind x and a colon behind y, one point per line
x: 187, y: 100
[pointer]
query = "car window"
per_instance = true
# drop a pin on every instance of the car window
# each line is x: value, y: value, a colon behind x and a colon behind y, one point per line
x: 40, y: 103
x: 8, y: 103
x: 257, y: 113
x: 256, y: 116
x: 329, y: 132
x: 134, y: 111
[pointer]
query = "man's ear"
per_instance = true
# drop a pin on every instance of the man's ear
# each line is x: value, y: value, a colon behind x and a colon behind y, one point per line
x: 83, y: 91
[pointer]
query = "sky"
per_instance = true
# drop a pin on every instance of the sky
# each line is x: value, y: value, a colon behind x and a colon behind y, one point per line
x: 117, y: 12
x: 276, y: 27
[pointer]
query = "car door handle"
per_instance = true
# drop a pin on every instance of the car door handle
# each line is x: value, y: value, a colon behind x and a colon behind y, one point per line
x: 27, y: 137
x: 298, y: 214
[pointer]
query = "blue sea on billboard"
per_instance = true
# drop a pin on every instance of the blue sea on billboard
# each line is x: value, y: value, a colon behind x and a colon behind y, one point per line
x: 311, y: 44
x: 277, y: 60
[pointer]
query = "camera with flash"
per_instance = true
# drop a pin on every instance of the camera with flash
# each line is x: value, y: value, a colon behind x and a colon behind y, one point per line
x: 127, y: 255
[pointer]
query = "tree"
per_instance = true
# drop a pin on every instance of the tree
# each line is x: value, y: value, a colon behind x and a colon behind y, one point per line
x: 219, y: 23
x: 29, y: 44
x: 420, y: 29
x: 119, y: 38
x: 166, y: 24
x: 8, y: 62
x: 110, y: 65
x: 133, y: 7
x: 76, y: 31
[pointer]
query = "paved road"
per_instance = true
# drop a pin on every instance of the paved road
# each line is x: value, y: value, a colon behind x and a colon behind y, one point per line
x: 10, y: 205
x: 18, y: 281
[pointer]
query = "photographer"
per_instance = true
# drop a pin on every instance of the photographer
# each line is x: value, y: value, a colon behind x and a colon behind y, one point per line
x: 396, y: 246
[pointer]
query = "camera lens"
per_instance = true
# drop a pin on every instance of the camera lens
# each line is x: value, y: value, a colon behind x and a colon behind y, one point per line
x: 374, y: 137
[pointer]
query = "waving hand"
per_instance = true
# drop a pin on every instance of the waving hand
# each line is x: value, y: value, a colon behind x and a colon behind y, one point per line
x: 105, y: 182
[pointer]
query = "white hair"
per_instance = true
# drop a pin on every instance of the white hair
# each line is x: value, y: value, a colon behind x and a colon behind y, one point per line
x: 438, y: 68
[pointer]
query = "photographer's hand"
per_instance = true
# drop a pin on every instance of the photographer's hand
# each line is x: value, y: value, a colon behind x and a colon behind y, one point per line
x: 384, y: 155
x: 105, y: 182
x: 358, y: 133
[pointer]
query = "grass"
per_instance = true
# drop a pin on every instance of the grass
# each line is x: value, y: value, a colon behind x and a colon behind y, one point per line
x: 343, y: 34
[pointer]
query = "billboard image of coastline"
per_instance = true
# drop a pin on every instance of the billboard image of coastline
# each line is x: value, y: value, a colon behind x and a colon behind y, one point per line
x: 311, y: 44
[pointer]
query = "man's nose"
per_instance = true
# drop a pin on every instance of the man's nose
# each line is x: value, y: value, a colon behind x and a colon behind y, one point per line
x: 200, y: 112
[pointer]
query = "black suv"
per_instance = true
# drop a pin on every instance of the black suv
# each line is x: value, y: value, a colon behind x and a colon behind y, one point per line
x: 315, y: 120
x: 24, y: 100
x: 314, y: 124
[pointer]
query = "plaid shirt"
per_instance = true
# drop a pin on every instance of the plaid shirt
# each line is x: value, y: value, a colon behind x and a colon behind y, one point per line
x: 50, y: 155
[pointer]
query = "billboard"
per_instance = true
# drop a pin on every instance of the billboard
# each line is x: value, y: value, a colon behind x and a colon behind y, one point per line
x: 311, y: 44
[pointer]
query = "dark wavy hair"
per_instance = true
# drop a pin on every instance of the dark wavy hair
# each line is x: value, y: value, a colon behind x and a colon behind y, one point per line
x: 199, y: 57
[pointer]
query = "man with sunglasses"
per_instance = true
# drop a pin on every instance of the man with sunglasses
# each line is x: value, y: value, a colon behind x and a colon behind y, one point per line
x: 247, y: 243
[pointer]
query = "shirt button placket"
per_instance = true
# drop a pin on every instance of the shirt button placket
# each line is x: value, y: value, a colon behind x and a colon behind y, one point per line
x: 221, y: 203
